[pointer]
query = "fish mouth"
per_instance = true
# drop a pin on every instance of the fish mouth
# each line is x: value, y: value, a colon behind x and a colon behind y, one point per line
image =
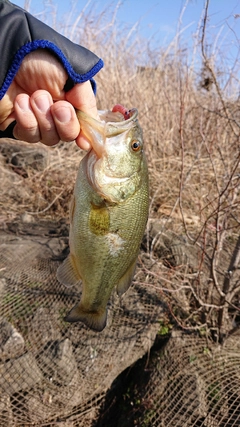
x: 111, y: 123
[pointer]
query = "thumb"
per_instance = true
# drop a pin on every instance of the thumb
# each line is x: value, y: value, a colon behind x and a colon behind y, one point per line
x: 81, y: 96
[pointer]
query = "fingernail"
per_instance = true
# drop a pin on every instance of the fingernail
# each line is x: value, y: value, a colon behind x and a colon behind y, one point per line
x: 42, y: 102
x: 63, y: 114
x: 23, y: 103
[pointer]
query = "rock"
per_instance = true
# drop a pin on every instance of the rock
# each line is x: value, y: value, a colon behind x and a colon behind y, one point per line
x: 11, y: 341
x: 42, y: 329
x: 39, y: 407
x: 45, y: 405
x: 27, y: 218
x: 58, y: 363
x: 19, y: 374
x: 21, y: 156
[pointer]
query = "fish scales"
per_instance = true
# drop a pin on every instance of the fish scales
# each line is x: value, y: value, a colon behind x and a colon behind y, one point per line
x: 104, y: 252
x: 106, y: 231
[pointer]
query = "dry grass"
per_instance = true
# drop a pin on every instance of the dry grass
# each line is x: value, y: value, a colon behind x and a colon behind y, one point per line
x: 191, y: 129
x: 41, y: 193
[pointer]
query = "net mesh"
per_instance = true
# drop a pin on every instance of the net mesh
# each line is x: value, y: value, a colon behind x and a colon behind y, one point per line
x: 187, y: 382
x: 142, y: 370
x: 51, y: 370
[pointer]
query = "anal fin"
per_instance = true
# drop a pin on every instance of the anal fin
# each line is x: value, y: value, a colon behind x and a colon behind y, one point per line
x: 126, y: 280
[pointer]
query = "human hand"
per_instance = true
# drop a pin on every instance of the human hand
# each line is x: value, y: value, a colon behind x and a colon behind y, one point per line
x: 37, y: 101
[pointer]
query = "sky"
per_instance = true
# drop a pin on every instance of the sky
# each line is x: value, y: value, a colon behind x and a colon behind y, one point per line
x: 158, y: 20
x: 154, y: 16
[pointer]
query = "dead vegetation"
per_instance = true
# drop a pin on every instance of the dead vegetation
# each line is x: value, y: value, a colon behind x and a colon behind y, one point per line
x: 190, y: 118
x: 191, y: 127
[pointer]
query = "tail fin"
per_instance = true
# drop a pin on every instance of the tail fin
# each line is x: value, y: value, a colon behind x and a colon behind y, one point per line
x: 95, y: 320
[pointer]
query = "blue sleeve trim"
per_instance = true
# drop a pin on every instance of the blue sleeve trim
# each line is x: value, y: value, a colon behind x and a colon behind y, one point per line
x: 45, y: 44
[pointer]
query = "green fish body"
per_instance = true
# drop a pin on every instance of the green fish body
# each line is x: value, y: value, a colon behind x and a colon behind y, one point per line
x: 108, y: 215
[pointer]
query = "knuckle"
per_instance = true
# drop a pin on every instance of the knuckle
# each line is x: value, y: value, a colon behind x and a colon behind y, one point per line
x: 30, y: 134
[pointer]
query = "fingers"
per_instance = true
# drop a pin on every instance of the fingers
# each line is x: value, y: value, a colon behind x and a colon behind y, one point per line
x: 26, y: 128
x: 83, y: 98
x: 40, y: 69
x: 39, y: 119
x: 66, y: 121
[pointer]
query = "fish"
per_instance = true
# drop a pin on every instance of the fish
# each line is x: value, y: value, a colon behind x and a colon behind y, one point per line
x: 108, y: 213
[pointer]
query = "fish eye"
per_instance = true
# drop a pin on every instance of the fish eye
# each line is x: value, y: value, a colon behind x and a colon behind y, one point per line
x: 136, y: 145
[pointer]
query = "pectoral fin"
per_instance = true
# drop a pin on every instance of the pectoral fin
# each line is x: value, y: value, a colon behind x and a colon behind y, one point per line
x: 126, y: 280
x: 95, y: 320
x: 67, y: 273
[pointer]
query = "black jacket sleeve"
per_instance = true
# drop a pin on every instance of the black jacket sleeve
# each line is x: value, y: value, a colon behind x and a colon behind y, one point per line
x: 21, y: 33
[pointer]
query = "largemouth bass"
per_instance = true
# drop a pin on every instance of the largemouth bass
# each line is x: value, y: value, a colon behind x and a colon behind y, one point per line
x: 108, y: 214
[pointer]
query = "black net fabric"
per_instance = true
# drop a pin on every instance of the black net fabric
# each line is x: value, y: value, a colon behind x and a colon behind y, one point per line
x: 193, y: 383
x: 52, y: 370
